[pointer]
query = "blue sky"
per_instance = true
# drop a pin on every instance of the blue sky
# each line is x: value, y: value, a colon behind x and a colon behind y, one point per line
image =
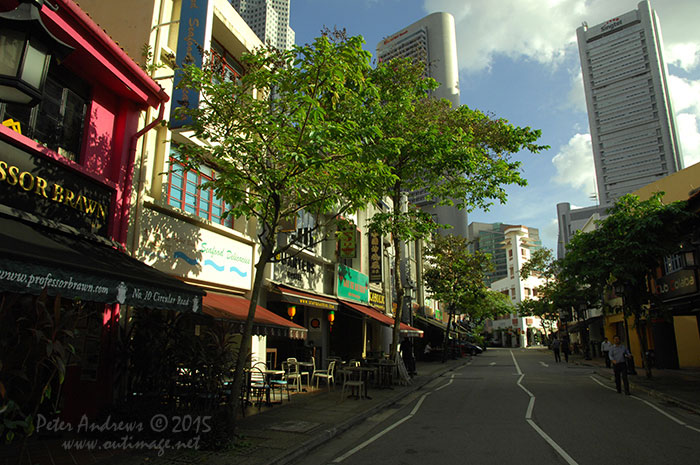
x: 518, y: 59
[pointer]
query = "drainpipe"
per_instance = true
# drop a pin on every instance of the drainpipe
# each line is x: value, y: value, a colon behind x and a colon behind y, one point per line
x: 127, y: 195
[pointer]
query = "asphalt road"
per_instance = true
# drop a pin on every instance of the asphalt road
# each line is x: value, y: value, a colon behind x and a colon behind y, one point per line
x: 518, y: 406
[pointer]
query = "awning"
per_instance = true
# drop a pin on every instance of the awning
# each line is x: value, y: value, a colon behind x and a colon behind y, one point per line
x: 383, y: 318
x: 34, y: 258
x: 265, y: 323
x: 431, y: 323
x: 306, y: 299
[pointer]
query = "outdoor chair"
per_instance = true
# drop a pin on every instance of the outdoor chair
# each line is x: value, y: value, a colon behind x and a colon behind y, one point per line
x: 292, y: 373
x: 353, y: 380
x: 258, y: 388
x: 325, y: 374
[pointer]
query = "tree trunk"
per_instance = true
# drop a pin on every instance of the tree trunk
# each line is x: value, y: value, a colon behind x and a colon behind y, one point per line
x: 399, y: 297
x: 244, y: 351
x: 642, y: 335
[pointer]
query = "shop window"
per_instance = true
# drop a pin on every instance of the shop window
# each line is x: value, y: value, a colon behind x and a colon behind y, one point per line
x: 224, y: 64
x: 185, y: 192
x: 677, y: 262
x: 58, y: 120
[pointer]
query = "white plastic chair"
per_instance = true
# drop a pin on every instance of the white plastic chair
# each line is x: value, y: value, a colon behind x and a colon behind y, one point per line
x: 325, y: 374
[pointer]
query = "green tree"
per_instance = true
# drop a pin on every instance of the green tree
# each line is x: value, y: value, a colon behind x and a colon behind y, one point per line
x: 627, y: 246
x: 455, y: 276
x: 287, y: 137
x: 457, y: 156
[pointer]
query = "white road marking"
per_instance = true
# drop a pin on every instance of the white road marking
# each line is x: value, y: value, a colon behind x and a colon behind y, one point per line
x: 531, y: 422
x: 666, y: 414
x: 391, y: 427
x: 492, y: 363
x: 544, y: 364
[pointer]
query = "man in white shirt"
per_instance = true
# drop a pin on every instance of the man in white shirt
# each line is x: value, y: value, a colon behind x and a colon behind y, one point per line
x: 605, y: 348
x: 618, y: 356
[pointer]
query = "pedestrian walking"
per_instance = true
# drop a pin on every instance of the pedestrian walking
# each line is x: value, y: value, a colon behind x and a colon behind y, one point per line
x: 605, y: 349
x: 619, y: 354
x: 407, y: 355
x: 556, y: 344
x: 565, y: 349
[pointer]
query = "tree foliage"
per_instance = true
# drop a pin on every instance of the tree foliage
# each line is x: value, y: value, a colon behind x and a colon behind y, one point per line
x: 288, y: 136
x: 625, y: 248
x: 456, y: 156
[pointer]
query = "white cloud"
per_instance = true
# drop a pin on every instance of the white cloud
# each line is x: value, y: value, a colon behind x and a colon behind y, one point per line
x: 685, y: 94
x: 574, y: 164
x: 689, y: 138
x: 545, y: 31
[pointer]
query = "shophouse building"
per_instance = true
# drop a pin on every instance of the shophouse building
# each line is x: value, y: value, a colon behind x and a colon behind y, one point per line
x: 673, y: 325
x: 319, y: 297
x: 66, y: 169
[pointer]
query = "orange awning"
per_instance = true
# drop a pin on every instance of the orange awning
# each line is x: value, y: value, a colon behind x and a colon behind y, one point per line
x: 265, y: 322
x: 383, y: 318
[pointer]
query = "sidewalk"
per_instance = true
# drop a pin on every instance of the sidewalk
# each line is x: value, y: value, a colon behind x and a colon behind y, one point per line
x: 284, y: 433
x: 680, y: 387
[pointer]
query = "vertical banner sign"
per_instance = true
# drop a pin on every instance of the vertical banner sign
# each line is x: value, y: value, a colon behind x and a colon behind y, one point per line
x: 196, y: 19
x: 347, y: 244
x: 375, y: 258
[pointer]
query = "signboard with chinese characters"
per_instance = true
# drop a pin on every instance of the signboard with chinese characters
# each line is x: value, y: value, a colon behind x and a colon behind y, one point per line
x: 352, y: 284
x: 375, y: 257
x: 347, y: 243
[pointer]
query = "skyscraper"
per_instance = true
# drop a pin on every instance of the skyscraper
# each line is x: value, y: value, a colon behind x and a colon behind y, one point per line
x: 433, y: 40
x: 629, y: 109
x: 269, y: 19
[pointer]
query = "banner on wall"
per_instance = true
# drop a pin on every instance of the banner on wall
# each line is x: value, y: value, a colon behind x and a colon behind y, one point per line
x: 196, y: 19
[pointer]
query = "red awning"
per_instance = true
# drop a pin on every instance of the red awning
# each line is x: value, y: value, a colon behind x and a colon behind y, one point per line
x: 383, y: 318
x: 265, y: 323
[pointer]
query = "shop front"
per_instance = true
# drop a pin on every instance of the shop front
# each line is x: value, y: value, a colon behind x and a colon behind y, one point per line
x: 316, y: 312
x: 66, y: 161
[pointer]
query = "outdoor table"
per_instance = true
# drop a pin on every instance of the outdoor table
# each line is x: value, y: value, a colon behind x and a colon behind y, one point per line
x: 269, y: 374
x: 308, y: 367
x: 386, y: 374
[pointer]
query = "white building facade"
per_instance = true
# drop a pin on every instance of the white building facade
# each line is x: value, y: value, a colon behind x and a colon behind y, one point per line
x: 630, y: 115
x: 432, y: 40
x: 516, y: 330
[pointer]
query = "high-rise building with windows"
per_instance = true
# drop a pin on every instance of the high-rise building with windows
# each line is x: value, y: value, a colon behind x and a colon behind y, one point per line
x: 629, y: 108
x: 269, y: 19
x: 432, y: 40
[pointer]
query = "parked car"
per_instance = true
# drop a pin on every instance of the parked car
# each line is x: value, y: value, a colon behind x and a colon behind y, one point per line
x: 472, y: 349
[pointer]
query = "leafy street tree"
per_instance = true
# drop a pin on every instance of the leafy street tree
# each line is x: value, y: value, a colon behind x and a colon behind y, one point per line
x: 302, y: 150
x: 455, y: 276
x: 457, y: 156
x: 626, y: 247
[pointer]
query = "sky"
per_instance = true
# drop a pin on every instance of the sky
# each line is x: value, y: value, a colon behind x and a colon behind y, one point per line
x: 518, y: 60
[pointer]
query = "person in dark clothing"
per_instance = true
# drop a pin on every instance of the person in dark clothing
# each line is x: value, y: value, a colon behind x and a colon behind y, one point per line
x: 565, y: 349
x: 556, y: 344
x: 407, y: 354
